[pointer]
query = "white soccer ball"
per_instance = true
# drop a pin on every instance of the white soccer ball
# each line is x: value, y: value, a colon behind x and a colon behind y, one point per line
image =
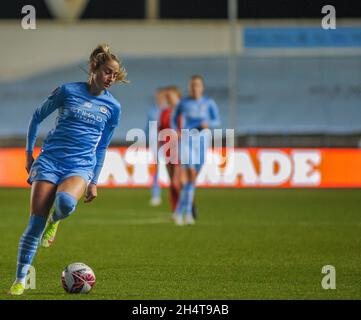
x: 77, y: 278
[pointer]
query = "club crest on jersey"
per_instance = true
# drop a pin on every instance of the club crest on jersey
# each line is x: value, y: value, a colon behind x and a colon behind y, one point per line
x: 103, y: 109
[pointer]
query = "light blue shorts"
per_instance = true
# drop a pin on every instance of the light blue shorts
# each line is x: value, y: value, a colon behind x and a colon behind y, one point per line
x: 193, y: 152
x: 50, y: 170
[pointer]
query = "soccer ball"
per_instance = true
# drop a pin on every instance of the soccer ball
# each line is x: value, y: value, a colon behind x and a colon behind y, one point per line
x: 77, y: 278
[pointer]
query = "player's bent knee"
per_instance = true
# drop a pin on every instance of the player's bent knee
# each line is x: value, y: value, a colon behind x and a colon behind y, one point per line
x: 65, y: 204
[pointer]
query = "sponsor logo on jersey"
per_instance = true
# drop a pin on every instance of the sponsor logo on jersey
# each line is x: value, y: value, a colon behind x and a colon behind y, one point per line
x: 86, y: 115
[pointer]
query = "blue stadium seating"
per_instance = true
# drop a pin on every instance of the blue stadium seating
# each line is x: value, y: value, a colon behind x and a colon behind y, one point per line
x: 276, y: 95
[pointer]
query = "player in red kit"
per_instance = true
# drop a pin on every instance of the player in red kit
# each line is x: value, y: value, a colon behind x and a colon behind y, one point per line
x: 173, y: 95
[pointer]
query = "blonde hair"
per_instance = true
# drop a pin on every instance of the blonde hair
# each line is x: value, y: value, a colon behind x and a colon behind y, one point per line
x: 101, y: 54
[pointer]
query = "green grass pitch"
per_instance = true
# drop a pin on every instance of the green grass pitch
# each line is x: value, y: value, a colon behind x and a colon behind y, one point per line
x: 247, y: 244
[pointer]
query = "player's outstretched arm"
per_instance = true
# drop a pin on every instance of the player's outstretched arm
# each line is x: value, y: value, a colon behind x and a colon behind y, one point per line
x: 104, y: 142
x: 176, y: 118
x: 29, y: 159
x: 214, y: 118
x: 49, y: 106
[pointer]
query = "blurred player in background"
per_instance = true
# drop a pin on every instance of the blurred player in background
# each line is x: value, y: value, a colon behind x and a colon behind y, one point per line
x: 72, y: 155
x: 197, y: 112
x: 153, y: 115
x: 173, y: 95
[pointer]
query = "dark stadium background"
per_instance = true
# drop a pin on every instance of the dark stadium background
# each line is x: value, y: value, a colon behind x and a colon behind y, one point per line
x: 195, y: 9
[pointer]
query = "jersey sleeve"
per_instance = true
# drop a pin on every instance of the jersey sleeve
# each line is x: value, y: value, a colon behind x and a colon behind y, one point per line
x: 104, y: 144
x: 53, y: 102
x: 176, y: 117
x: 147, y: 127
x: 150, y: 117
x: 101, y: 152
x: 214, y: 118
x: 115, y: 118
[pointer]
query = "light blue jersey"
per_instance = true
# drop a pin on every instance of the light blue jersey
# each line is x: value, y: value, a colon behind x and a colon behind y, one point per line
x: 195, y: 112
x: 83, y: 131
x: 152, y: 115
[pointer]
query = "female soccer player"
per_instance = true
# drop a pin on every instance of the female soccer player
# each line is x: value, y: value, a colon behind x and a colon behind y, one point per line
x: 197, y: 112
x: 173, y: 95
x: 72, y: 155
x: 153, y: 115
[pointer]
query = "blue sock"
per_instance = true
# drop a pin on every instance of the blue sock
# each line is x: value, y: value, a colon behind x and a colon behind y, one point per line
x: 190, y: 196
x: 155, y: 187
x: 65, y: 205
x: 182, y: 201
x: 28, y: 244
